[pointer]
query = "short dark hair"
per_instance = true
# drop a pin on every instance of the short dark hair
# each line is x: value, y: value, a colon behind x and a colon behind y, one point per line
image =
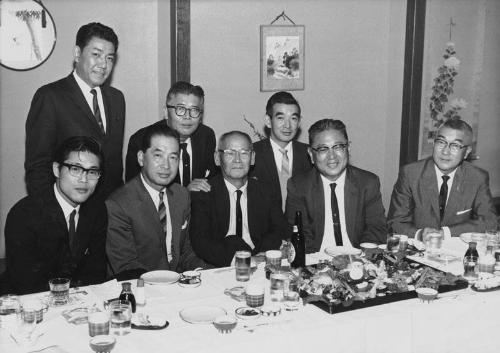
x: 280, y: 97
x: 226, y: 135
x: 458, y: 124
x: 326, y: 124
x: 79, y: 144
x: 98, y: 30
x: 182, y: 87
x: 157, y: 130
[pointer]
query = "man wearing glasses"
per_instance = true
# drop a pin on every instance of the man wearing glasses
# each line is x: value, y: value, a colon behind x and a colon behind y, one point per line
x: 444, y: 193
x: 238, y: 213
x: 183, y: 113
x: 341, y: 205
x: 58, y: 233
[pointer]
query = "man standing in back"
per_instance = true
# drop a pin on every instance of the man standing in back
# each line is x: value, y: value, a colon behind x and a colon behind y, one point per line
x: 280, y: 156
x: 80, y: 104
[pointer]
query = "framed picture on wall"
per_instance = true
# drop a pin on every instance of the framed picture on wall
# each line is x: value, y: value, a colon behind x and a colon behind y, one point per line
x: 282, y: 58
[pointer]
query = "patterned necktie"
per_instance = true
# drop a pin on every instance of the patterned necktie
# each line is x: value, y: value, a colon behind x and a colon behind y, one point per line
x: 186, y: 165
x: 285, y: 163
x: 335, y: 216
x: 239, y: 216
x: 72, y: 229
x: 443, y: 195
x: 162, y: 213
x: 283, y: 176
x: 97, y: 112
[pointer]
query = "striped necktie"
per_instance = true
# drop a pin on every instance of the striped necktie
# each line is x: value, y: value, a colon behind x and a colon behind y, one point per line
x: 335, y: 216
x: 97, y: 112
x: 162, y: 213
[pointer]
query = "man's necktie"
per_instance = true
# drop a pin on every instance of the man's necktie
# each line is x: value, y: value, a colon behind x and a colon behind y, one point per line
x: 97, y: 112
x: 162, y: 213
x: 72, y: 229
x: 239, y: 215
x: 283, y: 176
x: 186, y: 165
x: 443, y: 195
x: 285, y: 163
x: 336, y: 216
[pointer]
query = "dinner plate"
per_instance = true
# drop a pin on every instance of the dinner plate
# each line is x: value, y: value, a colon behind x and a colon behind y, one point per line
x: 204, y: 314
x: 161, y: 277
x: 342, y: 250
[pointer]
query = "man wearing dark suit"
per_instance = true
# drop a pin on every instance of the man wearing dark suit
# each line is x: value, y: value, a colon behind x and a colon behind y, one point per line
x: 238, y: 213
x: 148, y: 218
x: 280, y: 157
x: 443, y: 194
x: 67, y: 108
x: 340, y: 204
x: 58, y: 233
x: 183, y: 113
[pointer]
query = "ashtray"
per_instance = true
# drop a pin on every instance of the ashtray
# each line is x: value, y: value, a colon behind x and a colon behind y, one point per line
x: 102, y: 343
x: 271, y: 310
x: 426, y: 294
x: 246, y: 312
x: 225, y: 323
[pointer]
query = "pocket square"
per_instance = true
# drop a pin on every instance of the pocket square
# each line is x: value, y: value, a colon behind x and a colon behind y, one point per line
x: 464, y: 211
x: 184, y: 226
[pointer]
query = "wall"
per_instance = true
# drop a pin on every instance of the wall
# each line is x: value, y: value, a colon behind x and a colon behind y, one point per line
x: 354, y: 54
x: 138, y: 25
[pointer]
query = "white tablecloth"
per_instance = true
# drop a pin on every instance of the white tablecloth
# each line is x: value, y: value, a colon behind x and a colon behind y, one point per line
x: 459, y: 321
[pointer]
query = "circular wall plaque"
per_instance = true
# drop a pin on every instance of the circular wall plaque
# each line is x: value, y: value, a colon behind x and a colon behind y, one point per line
x: 27, y: 34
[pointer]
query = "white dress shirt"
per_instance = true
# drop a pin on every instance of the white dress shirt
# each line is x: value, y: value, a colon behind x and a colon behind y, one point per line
x: 278, y: 156
x: 89, y: 97
x: 244, y: 212
x: 189, y: 150
x: 328, y: 235
x: 439, y: 174
x: 66, y: 207
x: 155, y: 196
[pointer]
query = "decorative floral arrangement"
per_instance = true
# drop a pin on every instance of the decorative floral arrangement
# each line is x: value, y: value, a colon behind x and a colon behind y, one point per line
x: 443, y: 88
x: 256, y: 132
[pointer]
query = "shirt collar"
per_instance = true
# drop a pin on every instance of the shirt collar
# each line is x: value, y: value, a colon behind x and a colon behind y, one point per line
x: 439, y: 173
x: 67, y: 208
x: 83, y: 85
x: 231, y: 188
x: 340, y: 181
x: 276, y: 147
x: 155, y: 194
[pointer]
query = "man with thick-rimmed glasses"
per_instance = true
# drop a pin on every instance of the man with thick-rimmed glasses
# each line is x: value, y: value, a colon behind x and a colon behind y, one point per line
x: 58, y: 233
x: 341, y: 205
x: 184, y: 114
x: 444, y: 193
x: 238, y: 213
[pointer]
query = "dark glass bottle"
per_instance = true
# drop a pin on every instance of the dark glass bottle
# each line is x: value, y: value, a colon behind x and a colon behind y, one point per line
x: 127, y: 294
x: 298, y: 242
x: 472, y: 251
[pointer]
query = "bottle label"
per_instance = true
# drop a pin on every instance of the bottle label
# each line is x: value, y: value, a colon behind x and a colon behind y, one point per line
x: 291, y: 253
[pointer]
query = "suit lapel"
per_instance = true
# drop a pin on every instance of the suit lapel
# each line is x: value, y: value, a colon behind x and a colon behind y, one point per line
x: 318, y: 202
x: 107, y: 108
x: 176, y: 224
x: 429, y: 187
x: 222, y: 205
x: 270, y: 163
x: 351, y: 195
x: 253, y: 211
x: 298, y: 158
x: 455, y: 197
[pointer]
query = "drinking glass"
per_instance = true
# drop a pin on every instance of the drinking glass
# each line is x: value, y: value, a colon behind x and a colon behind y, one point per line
x: 10, y: 309
x: 279, y: 285
x: 433, y: 244
x: 59, y: 291
x: 254, y: 295
x: 98, y: 323
x: 120, y: 313
x: 273, y: 259
x: 27, y: 326
x: 392, y: 243
x: 292, y: 301
x: 242, y: 265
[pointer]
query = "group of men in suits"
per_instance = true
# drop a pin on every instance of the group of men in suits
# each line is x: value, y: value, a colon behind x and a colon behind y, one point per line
x: 187, y: 203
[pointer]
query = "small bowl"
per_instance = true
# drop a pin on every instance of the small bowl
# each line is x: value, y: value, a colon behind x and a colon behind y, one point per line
x: 271, y: 310
x: 225, y: 323
x: 246, y: 313
x: 102, y: 343
x: 426, y: 294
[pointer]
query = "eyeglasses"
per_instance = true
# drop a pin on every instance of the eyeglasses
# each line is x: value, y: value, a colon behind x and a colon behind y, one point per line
x: 454, y: 147
x: 231, y: 153
x: 77, y: 171
x: 181, y: 110
x: 338, y: 148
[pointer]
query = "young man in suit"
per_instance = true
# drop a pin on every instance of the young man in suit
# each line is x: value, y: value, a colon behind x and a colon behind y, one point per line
x: 80, y: 104
x: 58, y: 233
x: 148, y: 218
x: 183, y: 113
x: 340, y: 204
x: 444, y: 193
x: 238, y: 213
x: 280, y: 156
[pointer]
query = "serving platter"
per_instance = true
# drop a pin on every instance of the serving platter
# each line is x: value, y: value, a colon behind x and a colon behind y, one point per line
x: 160, y: 277
x: 204, y: 314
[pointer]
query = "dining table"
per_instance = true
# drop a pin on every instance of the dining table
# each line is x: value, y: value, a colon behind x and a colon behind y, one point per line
x: 457, y: 321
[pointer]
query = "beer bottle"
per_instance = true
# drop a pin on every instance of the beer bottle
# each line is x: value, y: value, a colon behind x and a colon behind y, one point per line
x: 298, y: 242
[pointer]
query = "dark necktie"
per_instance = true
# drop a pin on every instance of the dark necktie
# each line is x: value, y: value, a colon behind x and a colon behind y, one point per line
x: 97, y: 112
x: 186, y: 165
x: 72, y: 229
x: 239, y: 216
x: 443, y: 194
x: 335, y: 216
x: 162, y: 213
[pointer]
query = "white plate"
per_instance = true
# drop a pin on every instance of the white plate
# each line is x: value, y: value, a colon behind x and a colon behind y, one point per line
x: 161, y: 277
x: 201, y: 314
x: 342, y: 250
x: 477, y: 237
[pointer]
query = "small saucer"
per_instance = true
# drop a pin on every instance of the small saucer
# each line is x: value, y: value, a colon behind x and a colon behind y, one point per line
x: 426, y: 294
x: 248, y: 313
x: 271, y: 310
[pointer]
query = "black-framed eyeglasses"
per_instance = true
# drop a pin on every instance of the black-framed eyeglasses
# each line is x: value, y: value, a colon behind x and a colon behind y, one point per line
x: 77, y: 171
x: 454, y: 147
x: 231, y: 153
x: 338, y: 148
x: 181, y: 110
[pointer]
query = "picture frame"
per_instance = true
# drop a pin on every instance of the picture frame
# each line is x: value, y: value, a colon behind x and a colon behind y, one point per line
x: 282, y: 58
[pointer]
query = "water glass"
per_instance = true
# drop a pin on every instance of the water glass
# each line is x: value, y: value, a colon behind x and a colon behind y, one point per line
x: 120, y: 313
x: 433, y: 243
x: 279, y: 285
x: 242, y: 265
x: 59, y: 291
x: 27, y: 326
x: 10, y: 309
x: 254, y: 295
x: 273, y: 259
x: 98, y: 323
x: 393, y: 243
